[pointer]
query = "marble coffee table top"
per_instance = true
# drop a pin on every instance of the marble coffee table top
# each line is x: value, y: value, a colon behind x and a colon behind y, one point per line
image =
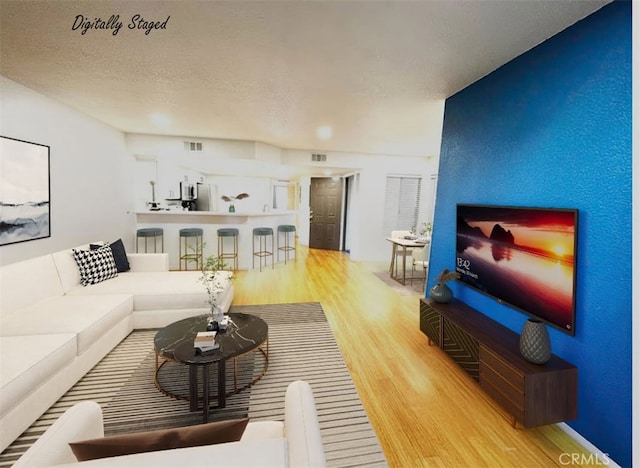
x: 244, y: 333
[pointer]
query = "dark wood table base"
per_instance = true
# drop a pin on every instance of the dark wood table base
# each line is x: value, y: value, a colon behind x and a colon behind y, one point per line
x: 193, y: 388
x: 172, y: 348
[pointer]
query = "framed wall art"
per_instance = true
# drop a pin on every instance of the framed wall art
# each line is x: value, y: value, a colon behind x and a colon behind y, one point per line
x: 25, y: 194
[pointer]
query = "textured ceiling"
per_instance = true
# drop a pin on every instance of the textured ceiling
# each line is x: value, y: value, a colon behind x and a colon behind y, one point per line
x: 274, y: 71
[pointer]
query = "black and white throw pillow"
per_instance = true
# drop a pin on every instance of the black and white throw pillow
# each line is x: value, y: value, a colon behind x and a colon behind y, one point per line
x: 95, y: 265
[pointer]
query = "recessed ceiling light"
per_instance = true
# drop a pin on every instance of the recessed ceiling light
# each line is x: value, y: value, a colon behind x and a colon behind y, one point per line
x: 161, y: 120
x: 324, y: 132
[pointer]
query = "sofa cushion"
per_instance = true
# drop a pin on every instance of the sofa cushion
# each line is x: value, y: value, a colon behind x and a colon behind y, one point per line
x: 264, y: 430
x: 95, y: 265
x: 143, y: 262
x: 166, y: 439
x: 155, y: 290
x: 119, y: 254
x: 67, y: 268
x: 88, y: 316
x: 26, y: 282
x: 26, y: 362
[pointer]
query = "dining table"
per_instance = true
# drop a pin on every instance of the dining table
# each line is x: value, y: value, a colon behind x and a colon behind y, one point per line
x: 402, y: 246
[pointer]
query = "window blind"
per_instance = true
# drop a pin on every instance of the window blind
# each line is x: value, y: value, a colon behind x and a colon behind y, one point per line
x: 402, y: 203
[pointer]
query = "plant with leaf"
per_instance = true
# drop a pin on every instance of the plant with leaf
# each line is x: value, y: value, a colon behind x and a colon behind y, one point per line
x: 426, y: 228
x: 445, y: 276
x: 213, y: 279
x: 231, y: 198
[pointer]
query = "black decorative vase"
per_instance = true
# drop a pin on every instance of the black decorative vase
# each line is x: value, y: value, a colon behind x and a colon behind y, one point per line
x: 441, y: 293
x: 535, y: 345
x: 232, y: 209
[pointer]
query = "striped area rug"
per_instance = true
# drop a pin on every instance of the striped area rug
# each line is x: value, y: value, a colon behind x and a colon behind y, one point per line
x: 301, y: 347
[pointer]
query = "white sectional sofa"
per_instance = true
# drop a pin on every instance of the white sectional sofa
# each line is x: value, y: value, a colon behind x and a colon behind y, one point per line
x: 294, y: 442
x: 53, y: 329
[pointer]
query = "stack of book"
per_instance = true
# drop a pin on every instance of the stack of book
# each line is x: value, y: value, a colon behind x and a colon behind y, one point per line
x: 205, y: 342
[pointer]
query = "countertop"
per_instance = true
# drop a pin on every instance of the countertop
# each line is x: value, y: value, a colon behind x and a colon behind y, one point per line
x: 216, y: 213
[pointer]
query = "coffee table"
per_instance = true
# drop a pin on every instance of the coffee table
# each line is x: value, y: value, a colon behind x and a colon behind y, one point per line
x: 174, y: 343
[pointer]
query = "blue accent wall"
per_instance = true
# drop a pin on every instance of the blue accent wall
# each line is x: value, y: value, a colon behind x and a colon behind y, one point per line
x: 552, y: 128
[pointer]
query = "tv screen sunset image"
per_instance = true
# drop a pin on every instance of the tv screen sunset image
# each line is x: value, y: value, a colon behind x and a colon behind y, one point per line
x: 523, y: 257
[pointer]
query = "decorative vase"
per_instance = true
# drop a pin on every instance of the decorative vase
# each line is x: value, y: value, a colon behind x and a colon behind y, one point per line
x: 232, y: 209
x: 216, y: 313
x: 441, y: 293
x: 535, y: 345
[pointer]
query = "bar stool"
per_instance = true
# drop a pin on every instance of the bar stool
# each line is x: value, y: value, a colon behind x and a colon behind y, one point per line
x: 226, y: 233
x: 146, y: 234
x: 285, y: 230
x: 262, y: 233
x: 190, y: 247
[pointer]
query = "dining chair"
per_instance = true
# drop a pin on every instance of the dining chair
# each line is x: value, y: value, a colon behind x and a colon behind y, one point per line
x: 400, y: 234
x: 420, y: 258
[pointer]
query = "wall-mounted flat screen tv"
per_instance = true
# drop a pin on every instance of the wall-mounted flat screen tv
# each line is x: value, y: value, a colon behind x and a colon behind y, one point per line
x: 523, y: 257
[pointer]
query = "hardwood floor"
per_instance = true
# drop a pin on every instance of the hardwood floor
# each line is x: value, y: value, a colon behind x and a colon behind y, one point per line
x: 424, y: 409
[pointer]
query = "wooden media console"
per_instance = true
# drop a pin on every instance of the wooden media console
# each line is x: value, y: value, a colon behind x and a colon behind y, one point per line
x: 534, y: 395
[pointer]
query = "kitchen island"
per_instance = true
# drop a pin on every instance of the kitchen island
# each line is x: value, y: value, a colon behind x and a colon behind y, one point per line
x: 171, y: 221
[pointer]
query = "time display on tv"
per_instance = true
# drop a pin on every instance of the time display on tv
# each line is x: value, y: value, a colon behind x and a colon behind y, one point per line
x: 523, y: 257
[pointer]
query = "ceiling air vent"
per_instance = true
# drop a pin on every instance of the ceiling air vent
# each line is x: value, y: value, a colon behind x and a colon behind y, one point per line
x: 192, y: 146
x: 318, y: 157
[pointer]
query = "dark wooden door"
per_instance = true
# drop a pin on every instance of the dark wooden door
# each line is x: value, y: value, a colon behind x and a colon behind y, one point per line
x: 326, y: 213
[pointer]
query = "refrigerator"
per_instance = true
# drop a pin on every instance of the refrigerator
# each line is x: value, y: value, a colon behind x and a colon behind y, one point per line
x: 203, y: 197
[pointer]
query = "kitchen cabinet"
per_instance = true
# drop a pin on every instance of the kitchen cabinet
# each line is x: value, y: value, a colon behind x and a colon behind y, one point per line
x: 168, y: 182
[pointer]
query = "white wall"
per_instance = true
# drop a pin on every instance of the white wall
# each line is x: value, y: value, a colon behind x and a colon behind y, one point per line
x: 258, y: 189
x: 304, y: 211
x: 173, y: 147
x: 266, y: 152
x: 370, y: 244
x: 91, y: 172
